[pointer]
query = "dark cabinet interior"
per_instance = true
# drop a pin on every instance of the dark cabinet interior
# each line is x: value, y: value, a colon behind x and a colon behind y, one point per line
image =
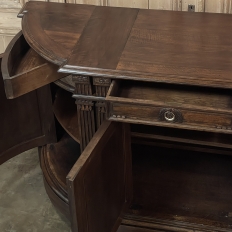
x: 176, y: 178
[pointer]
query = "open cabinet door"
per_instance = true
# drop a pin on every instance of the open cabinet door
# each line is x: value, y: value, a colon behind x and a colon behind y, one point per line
x: 100, y: 182
x: 25, y: 122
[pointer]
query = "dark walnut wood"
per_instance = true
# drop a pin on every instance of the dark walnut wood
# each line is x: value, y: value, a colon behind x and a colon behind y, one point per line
x: 54, y: 34
x: 104, y: 169
x: 26, y: 122
x: 65, y: 110
x: 24, y: 70
x: 167, y: 75
x: 56, y: 161
x: 205, y: 109
x: 157, y: 46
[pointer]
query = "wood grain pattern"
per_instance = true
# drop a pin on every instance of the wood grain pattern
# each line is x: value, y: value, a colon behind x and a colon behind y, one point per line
x: 193, y: 59
x: 50, y: 37
x: 182, y: 184
x: 26, y: 122
x: 188, y: 58
x: 104, y: 160
x: 24, y: 70
x: 113, y: 25
x: 64, y: 108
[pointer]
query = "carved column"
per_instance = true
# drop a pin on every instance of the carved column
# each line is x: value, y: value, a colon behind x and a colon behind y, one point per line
x: 86, y: 121
x: 85, y: 109
x: 101, y: 86
x: 90, y: 93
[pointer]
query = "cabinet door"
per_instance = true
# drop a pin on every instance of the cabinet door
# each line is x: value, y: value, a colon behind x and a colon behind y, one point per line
x: 25, y: 122
x: 100, y: 182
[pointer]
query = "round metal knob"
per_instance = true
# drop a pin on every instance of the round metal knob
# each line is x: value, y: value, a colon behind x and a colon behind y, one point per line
x: 169, y: 116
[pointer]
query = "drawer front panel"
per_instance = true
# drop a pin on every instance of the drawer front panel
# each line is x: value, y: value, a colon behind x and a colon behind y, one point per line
x: 180, y: 118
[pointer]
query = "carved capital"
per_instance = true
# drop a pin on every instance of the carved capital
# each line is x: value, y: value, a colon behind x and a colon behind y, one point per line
x: 81, y: 79
x: 101, y: 81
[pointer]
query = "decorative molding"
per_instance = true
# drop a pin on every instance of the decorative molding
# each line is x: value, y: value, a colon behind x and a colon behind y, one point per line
x: 81, y: 79
x: 100, y: 113
x: 101, y: 81
x: 85, y: 115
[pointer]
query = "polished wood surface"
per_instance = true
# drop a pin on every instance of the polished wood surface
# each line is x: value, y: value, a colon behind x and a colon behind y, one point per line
x: 26, y: 122
x: 65, y: 111
x: 162, y: 46
x: 175, y: 74
x: 101, y: 44
x: 45, y: 34
x: 57, y: 159
x: 99, y: 184
x: 24, y: 70
x: 204, y: 109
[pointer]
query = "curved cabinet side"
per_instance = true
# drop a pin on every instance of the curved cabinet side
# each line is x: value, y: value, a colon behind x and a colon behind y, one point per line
x: 24, y: 70
x: 53, y: 29
x: 25, y: 122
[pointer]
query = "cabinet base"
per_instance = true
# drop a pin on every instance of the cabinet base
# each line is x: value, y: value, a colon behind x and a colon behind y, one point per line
x: 56, y: 161
x: 161, y: 170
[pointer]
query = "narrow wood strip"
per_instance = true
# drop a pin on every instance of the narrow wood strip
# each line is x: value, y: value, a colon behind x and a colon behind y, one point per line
x: 31, y: 80
x: 93, y: 122
x: 102, y: 117
x: 114, y: 26
x: 89, y: 125
x: 86, y: 125
x: 83, y: 129
x: 85, y: 97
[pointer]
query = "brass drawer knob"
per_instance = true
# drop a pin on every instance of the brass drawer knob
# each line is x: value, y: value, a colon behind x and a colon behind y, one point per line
x: 170, y: 115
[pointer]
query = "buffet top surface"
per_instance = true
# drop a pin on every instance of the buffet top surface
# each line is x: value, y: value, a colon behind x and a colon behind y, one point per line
x: 148, y: 45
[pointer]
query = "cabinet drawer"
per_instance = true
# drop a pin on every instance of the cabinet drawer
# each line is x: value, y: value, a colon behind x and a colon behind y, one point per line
x: 24, y: 70
x: 189, y: 107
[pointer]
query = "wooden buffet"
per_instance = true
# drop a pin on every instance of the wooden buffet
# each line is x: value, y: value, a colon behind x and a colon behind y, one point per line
x: 131, y: 110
